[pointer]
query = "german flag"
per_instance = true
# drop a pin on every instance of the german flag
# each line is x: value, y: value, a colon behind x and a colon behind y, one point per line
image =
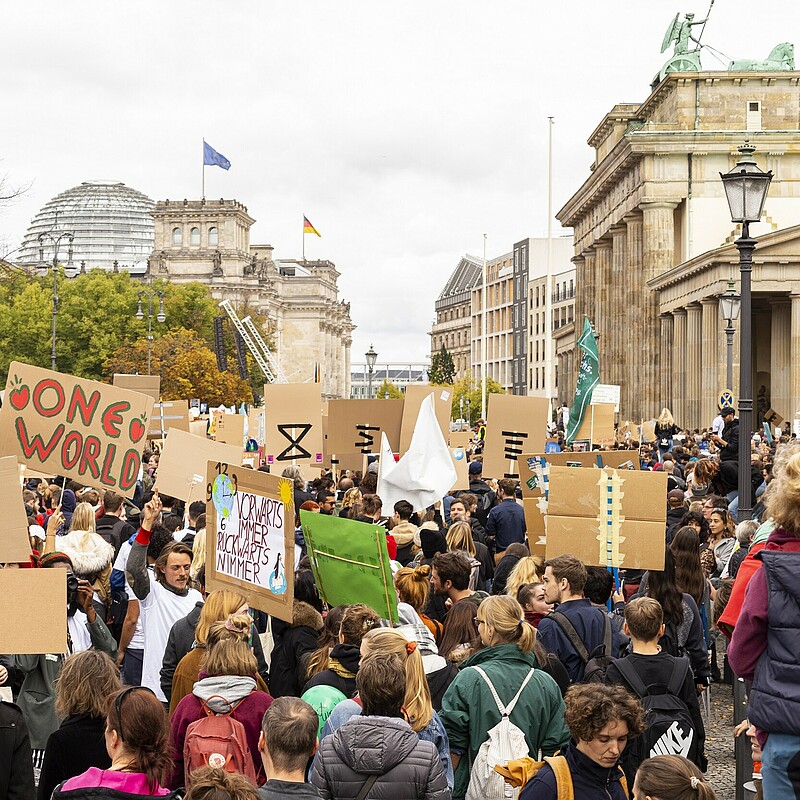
x: 309, y: 228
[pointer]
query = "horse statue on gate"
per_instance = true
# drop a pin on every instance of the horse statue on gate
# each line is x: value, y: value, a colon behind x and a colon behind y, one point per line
x: 781, y: 58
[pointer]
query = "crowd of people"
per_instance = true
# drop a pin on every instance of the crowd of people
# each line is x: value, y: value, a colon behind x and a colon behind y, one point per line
x: 507, y: 676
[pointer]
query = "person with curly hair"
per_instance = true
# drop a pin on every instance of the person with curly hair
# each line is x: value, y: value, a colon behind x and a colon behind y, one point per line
x: 601, y: 720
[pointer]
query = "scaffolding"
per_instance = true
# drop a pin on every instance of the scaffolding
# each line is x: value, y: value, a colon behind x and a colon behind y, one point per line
x: 255, y: 343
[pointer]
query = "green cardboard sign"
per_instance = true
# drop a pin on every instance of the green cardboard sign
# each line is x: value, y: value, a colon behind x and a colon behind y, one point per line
x: 350, y: 561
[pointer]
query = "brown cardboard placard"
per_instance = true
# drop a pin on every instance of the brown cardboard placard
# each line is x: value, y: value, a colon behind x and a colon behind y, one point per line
x: 198, y: 427
x: 648, y: 431
x: 460, y: 439
x: 293, y: 425
x: 255, y: 425
x: 355, y: 462
x: 461, y: 463
x: 182, y: 465
x: 47, y: 589
x: 616, y: 459
x: 144, y: 384
x: 598, y: 424
x: 517, y: 425
x: 535, y: 523
x: 773, y: 417
x: 63, y: 425
x: 250, y: 542
x: 414, y: 395
x: 15, y: 546
x: 628, y: 506
x: 168, y: 415
x: 230, y: 429
x: 356, y: 425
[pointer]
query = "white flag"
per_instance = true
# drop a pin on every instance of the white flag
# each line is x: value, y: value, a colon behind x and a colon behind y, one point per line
x: 425, y: 473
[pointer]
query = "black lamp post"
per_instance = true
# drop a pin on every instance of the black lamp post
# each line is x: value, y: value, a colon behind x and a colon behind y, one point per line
x: 161, y: 317
x: 729, y: 305
x: 746, y: 187
x: 371, y: 357
x: 55, y: 238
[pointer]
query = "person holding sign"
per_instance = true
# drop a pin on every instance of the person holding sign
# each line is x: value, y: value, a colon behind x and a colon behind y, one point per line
x: 164, y: 594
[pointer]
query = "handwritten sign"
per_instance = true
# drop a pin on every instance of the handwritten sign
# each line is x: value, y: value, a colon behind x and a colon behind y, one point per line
x: 62, y: 425
x: 516, y: 425
x: 250, y: 542
x: 355, y: 426
x: 293, y: 425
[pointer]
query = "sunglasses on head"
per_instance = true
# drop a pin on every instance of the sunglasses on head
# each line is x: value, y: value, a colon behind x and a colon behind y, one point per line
x: 118, y: 703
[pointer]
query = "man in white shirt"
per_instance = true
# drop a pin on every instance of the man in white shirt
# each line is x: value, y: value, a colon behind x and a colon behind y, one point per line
x: 717, y: 424
x: 164, y: 594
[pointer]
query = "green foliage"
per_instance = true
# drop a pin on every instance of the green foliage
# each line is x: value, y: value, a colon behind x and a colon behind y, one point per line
x: 388, y: 390
x: 443, y: 370
x: 468, y: 388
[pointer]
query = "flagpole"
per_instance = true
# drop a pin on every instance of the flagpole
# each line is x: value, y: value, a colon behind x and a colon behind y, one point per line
x: 548, y: 342
x: 203, y: 190
x: 483, y: 338
x: 304, y: 238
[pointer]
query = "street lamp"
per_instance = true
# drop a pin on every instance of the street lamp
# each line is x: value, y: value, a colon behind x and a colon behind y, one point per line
x: 371, y: 357
x: 729, y: 305
x: 746, y: 187
x: 160, y: 317
x: 55, y: 238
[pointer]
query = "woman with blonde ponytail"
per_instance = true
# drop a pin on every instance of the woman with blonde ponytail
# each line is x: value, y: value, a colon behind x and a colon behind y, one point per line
x: 508, y: 664
x: 419, y: 712
x: 670, y: 778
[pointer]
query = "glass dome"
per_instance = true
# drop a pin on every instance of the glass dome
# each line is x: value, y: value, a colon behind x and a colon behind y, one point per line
x: 110, y: 221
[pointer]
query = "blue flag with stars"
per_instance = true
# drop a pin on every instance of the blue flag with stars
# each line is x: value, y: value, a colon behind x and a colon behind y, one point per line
x: 588, y: 378
x: 211, y: 158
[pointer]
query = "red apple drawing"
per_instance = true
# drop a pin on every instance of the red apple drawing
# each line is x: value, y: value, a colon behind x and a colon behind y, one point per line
x: 137, y: 430
x: 19, y: 397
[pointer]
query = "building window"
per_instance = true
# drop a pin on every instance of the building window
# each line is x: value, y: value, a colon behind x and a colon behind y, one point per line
x: 213, y: 237
x: 177, y: 236
x: 194, y: 237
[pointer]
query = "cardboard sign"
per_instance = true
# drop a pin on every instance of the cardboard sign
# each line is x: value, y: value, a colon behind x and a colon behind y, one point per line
x: 598, y: 425
x: 415, y: 394
x: 460, y: 439
x: 610, y: 518
x: 355, y: 426
x: 606, y: 393
x: 42, y: 589
x: 255, y: 425
x: 250, y: 540
x: 230, y: 429
x: 535, y: 522
x: 350, y: 561
x: 461, y: 463
x: 169, y: 415
x: 198, y: 427
x: 517, y: 425
x: 773, y: 417
x: 354, y: 462
x: 648, y: 431
x: 15, y: 546
x: 144, y: 384
x: 182, y: 465
x: 62, y: 425
x: 293, y: 425
x: 617, y: 459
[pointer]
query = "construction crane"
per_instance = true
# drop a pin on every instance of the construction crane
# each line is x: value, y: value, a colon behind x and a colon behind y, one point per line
x: 255, y: 344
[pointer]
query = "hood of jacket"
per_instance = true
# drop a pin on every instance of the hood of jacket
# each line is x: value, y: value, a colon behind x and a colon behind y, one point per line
x: 374, y: 745
x: 348, y: 655
x: 305, y: 615
x: 221, y: 692
x: 500, y: 652
x: 68, y: 502
x: 404, y: 533
x: 781, y: 539
x: 90, y: 552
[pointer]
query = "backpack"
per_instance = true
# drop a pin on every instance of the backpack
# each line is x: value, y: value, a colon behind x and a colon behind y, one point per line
x: 669, y: 727
x: 217, y: 740
x: 669, y: 641
x: 475, y: 573
x: 595, y: 663
x: 505, y: 743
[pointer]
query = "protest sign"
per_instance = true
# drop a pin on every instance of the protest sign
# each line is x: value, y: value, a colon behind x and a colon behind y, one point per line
x: 144, y: 384
x: 198, y: 427
x: 355, y: 426
x: 535, y: 522
x: 611, y: 518
x: 648, y: 431
x: 414, y: 395
x: 606, y: 393
x: 460, y: 439
x: 230, y: 429
x: 250, y: 539
x: 354, y: 462
x: 62, y: 425
x: 617, y: 459
x: 598, y: 424
x: 168, y: 415
x: 182, y: 465
x: 15, y: 546
x: 461, y: 463
x: 516, y: 425
x: 350, y: 561
x: 47, y: 590
x: 293, y: 425
x: 255, y: 425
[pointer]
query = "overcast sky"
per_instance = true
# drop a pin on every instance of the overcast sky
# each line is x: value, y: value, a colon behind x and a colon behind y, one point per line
x: 404, y: 130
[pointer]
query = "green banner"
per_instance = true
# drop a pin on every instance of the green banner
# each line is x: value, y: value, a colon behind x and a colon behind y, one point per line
x: 350, y: 561
x: 588, y: 378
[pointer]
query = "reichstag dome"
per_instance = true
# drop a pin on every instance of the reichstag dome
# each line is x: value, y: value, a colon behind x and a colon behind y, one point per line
x: 110, y: 222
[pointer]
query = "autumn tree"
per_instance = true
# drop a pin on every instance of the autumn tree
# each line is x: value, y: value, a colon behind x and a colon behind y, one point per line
x: 470, y: 389
x: 443, y: 370
x: 388, y: 390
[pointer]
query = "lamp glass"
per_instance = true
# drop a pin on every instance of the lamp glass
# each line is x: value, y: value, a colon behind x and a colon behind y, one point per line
x: 730, y: 305
x: 371, y: 357
x: 746, y: 187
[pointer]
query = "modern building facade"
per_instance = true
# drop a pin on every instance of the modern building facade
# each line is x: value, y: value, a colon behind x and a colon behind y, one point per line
x: 397, y: 373
x: 653, y: 243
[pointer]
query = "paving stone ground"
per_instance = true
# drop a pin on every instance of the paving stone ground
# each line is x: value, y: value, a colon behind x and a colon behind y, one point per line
x: 721, y: 772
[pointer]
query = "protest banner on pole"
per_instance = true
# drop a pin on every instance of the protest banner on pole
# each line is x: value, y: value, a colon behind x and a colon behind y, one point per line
x: 516, y: 425
x: 144, y: 384
x: 62, y: 425
x: 598, y: 425
x: 355, y: 426
x: 350, y: 561
x: 414, y: 395
x: 44, y: 589
x: 250, y: 536
x: 607, y: 517
x: 293, y: 433
x: 15, y: 546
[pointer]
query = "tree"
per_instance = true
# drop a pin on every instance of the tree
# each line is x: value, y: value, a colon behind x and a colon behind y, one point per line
x: 388, y: 390
x: 470, y: 389
x: 443, y: 370
x: 187, y: 366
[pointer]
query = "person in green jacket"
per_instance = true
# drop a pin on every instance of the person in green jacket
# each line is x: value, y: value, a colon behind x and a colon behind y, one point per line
x: 468, y: 708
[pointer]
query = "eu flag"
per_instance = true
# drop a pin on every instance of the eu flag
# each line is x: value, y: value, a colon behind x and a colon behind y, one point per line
x: 212, y: 158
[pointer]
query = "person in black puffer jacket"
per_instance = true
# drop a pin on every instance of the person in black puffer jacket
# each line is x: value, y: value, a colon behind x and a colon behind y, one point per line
x: 293, y: 642
x: 513, y: 554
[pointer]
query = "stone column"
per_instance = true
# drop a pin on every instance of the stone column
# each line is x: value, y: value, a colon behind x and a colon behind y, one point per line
x: 794, y: 366
x: 709, y: 390
x: 694, y: 360
x: 347, y: 376
x: 602, y: 316
x: 617, y: 312
x: 587, y: 292
x: 658, y: 244
x: 580, y: 282
x: 631, y: 387
x: 678, y: 367
x: 667, y: 369
x: 781, y: 358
